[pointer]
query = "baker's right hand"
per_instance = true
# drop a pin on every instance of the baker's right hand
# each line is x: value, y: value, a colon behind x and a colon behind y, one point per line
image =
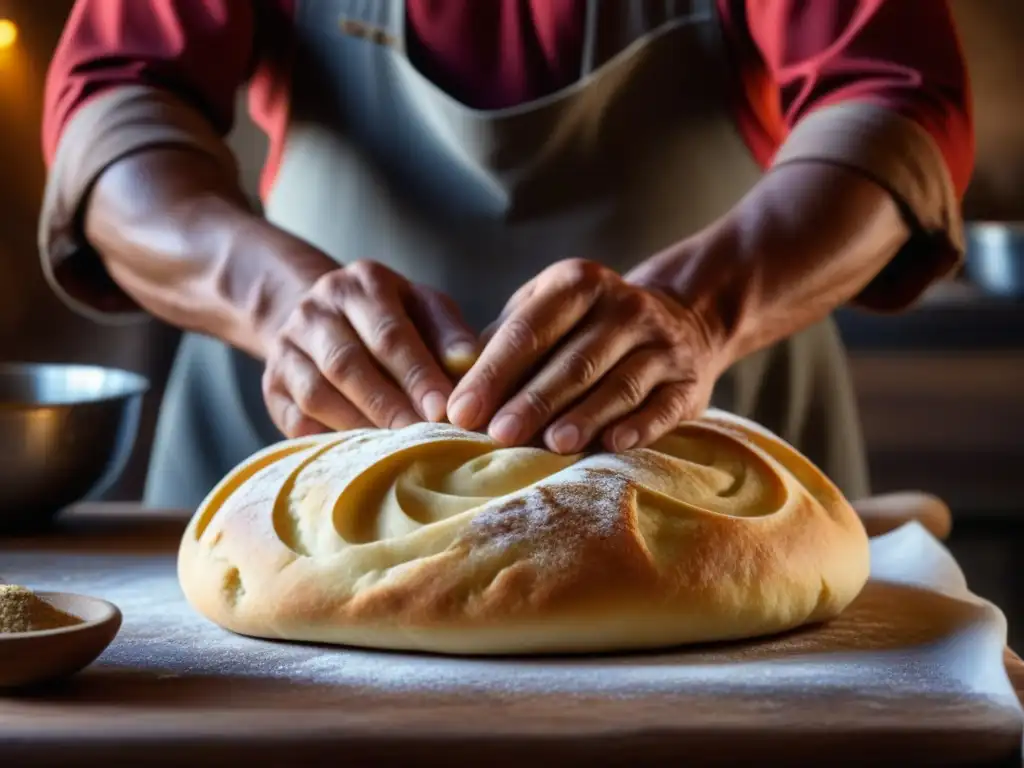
x: 365, y: 347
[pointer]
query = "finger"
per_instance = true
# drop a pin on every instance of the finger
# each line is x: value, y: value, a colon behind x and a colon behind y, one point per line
x: 443, y: 329
x: 337, y: 352
x: 519, y: 344
x: 573, y: 370
x: 294, y: 379
x: 522, y: 294
x: 621, y: 392
x: 515, y: 301
x: 381, y: 321
x: 667, y: 407
x: 290, y: 419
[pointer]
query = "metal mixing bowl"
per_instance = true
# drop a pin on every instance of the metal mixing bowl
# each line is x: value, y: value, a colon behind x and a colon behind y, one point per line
x: 66, y: 433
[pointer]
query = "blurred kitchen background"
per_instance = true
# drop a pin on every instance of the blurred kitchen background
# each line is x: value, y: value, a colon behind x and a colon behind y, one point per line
x: 941, y: 388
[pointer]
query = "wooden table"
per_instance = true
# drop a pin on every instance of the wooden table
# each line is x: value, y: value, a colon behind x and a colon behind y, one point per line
x: 284, y: 714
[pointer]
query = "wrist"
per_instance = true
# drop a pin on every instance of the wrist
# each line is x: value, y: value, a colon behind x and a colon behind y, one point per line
x: 709, y: 279
x: 261, y: 274
x: 807, y: 239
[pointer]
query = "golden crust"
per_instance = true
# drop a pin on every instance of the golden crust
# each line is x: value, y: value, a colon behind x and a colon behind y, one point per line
x: 431, y: 538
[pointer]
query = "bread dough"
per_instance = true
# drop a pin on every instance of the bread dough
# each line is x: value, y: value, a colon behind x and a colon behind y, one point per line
x: 436, y: 539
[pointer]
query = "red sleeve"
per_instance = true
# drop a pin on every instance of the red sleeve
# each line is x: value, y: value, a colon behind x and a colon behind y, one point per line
x: 901, y: 54
x: 202, y: 50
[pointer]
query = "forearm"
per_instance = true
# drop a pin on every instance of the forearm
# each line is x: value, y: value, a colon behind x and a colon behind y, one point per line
x: 807, y: 239
x: 174, y: 232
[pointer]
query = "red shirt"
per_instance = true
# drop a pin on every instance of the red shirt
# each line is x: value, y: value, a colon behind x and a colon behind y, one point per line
x: 791, y: 56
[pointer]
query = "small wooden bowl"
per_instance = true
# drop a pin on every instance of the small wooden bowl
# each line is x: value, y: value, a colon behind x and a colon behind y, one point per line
x: 31, y: 658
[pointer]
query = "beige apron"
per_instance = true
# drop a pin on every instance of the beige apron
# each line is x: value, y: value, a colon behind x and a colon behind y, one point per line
x: 379, y: 163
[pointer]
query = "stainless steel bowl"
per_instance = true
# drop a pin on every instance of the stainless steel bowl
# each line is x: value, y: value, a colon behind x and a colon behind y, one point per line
x: 995, y: 258
x: 66, y: 432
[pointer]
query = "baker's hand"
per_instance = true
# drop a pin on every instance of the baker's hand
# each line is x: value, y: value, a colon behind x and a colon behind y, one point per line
x: 365, y: 347
x: 582, y: 354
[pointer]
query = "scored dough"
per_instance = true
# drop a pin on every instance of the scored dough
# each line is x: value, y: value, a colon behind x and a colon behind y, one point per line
x: 436, y: 539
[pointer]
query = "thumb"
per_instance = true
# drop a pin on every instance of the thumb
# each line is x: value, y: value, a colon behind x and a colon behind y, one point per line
x: 443, y: 329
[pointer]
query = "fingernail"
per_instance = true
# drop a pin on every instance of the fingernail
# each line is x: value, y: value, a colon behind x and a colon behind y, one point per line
x: 464, y: 410
x: 624, y: 439
x: 506, y: 429
x: 461, y: 350
x: 459, y: 358
x: 434, y: 406
x: 403, y: 420
x: 565, y: 438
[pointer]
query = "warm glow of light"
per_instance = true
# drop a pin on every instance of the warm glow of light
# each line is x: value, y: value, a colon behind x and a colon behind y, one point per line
x: 8, y: 33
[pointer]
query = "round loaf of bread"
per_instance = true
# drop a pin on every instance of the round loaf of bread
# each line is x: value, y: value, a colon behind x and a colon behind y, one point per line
x: 432, y: 538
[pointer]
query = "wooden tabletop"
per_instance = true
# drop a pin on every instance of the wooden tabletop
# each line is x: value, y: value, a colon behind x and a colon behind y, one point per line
x: 175, y: 688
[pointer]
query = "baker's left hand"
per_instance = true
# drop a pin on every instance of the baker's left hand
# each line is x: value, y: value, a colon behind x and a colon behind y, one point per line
x: 581, y: 354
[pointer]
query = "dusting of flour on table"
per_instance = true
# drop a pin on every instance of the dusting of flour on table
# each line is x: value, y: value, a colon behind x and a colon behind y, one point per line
x: 164, y: 638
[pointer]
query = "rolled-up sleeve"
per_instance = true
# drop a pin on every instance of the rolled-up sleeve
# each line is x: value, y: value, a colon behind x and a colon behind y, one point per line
x: 128, y: 75
x: 879, y: 86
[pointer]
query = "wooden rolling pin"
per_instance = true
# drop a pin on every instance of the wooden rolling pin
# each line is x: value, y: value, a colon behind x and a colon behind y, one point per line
x: 884, y: 513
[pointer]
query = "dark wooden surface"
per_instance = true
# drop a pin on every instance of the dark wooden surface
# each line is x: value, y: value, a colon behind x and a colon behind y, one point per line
x: 176, y: 689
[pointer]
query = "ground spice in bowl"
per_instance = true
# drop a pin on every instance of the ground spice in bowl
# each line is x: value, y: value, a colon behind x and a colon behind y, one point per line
x: 21, y: 610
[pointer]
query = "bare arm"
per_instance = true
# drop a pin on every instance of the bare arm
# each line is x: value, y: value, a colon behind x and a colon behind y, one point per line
x: 143, y: 209
x: 807, y: 239
x: 175, y: 233
x: 867, y: 136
